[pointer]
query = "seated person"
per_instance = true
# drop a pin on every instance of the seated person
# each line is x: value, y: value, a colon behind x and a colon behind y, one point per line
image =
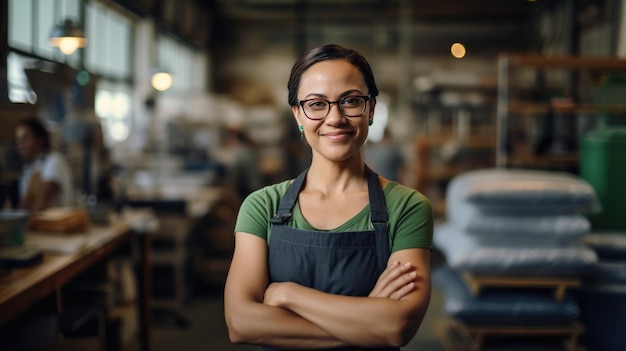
x: 46, y: 178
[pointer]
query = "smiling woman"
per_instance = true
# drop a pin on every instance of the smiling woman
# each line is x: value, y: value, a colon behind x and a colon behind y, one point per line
x: 338, y: 258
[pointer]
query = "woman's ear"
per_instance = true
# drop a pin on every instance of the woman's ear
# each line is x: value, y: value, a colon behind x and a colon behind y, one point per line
x: 372, y: 107
x: 296, y: 114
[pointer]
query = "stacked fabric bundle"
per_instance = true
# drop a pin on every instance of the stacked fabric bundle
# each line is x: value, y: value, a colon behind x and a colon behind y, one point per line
x: 523, y: 222
x: 514, y: 223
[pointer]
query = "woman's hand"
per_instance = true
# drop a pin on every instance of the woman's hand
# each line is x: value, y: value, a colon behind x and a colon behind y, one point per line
x: 273, y: 294
x: 395, y: 282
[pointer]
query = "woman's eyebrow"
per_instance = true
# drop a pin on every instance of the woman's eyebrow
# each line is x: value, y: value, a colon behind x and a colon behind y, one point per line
x: 323, y: 96
x: 351, y: 92
x: 315, y: 95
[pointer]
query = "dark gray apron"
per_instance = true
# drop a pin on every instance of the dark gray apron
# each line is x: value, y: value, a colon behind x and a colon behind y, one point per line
x: 347, y: 263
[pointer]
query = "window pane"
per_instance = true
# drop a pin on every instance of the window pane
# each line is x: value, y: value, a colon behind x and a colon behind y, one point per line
x: 45, y: 23
x: 103, y: 103
x: 178, y: 60
x: 92, y: 22
x: 113, y: 107
x: 109, y: 34
x: 124, y: 43
x: 20, y: 24
x: 70, y: 9
x: 118, y: 47
x: 110, y: 43
x: 19, y: 86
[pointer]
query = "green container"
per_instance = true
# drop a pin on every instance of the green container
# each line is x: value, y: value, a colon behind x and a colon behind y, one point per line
x: 13, y: 225
x: 603, y: 165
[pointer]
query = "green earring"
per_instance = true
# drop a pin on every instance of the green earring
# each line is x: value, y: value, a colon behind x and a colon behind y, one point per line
x: 301, y: 128
x: 371, y: 121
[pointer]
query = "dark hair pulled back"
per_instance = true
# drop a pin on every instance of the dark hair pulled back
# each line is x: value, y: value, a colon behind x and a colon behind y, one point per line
x: 324, y: 53
x: 38, y: 129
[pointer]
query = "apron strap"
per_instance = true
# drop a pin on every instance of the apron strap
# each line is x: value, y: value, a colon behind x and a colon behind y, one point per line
x: 378, y: 214
x: 289, y: 200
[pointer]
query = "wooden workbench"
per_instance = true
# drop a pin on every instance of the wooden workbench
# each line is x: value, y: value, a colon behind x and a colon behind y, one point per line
x: 24, y: 287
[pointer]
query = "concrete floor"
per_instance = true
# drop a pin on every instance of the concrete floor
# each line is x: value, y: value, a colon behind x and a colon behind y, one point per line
x: 207, y: 330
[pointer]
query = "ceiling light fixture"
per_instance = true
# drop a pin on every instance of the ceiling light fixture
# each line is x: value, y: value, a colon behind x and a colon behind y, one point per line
x: 161, y: 80
x: 458, y: 50
x: 68, y: 37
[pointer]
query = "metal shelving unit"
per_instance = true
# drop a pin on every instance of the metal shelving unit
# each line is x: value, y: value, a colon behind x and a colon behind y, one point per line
x: 507, y: 153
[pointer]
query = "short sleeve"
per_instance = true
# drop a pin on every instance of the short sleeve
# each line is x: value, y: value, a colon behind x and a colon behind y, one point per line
x: 411, y: 218
x: 52, y: 169
x: 258, y: 207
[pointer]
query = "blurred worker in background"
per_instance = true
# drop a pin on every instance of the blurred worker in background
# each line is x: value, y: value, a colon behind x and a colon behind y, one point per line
x: 46, y: 179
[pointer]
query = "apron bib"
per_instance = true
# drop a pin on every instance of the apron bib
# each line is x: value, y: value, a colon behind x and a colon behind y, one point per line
x: 346, y: 263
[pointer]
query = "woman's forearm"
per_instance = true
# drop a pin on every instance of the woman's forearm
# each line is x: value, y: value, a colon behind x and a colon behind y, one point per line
x: 249, y: 319
x: 361, y: 321
x: 389, y: 316
x: 259, y: 324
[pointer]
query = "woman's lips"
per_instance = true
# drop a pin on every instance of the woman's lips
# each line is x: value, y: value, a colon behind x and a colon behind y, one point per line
x: 338, y: 135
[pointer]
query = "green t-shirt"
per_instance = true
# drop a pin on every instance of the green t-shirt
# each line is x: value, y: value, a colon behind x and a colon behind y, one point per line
x: 410, y: 215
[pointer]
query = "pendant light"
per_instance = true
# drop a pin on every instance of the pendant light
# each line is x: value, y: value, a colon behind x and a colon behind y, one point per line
x: 161, y: 80
x: 68, y: 37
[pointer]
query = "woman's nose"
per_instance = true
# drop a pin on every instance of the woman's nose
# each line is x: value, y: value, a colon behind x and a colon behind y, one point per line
x: 335, y: 114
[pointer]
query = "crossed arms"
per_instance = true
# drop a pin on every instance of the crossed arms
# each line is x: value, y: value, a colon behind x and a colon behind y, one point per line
x: 291, y: 316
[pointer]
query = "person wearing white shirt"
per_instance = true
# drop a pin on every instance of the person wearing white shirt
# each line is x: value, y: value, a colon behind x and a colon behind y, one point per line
x: 46, y: 178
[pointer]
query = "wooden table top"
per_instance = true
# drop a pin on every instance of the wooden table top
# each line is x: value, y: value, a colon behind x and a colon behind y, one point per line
x: 24, y: 286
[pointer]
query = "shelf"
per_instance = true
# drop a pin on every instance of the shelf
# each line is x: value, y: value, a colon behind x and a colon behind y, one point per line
x: 509, y: 106
x: 523, y: 156
x: 543, y: 160
x: 426, y: 144
x: 564, y: 62
x: 544, y: 108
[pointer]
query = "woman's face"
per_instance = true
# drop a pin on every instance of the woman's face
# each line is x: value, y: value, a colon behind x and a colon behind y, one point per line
x: 27, y: 145
x: 335, y: 137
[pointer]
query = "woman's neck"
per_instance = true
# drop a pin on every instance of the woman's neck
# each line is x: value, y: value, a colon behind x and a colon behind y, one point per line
x: 334, y: 177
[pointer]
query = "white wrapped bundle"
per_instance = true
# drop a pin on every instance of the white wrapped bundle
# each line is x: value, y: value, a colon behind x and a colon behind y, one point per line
x: 464, y: 252
x: 515, y: 229
x: 515, y: 192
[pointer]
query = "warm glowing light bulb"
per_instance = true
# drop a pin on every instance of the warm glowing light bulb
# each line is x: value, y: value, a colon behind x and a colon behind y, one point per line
x: 68, y: 45
x: 161, y: 81
x: 458, y: 50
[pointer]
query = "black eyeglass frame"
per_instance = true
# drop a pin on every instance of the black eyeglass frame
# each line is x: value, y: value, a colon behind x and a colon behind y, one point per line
x: 330, y: 103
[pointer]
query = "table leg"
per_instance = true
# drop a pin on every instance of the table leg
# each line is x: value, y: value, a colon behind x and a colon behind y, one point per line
x: 144, y: 280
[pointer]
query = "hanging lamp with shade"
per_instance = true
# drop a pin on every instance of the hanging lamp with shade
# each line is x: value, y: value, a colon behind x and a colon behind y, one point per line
x: 68, y: 37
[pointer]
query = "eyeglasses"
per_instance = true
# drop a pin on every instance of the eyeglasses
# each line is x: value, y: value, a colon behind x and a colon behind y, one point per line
x: 350, y: 106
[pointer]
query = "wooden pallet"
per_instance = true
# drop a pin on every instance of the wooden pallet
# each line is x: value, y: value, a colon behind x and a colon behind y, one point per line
x: 560, y: 284
x: 458, y: 336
